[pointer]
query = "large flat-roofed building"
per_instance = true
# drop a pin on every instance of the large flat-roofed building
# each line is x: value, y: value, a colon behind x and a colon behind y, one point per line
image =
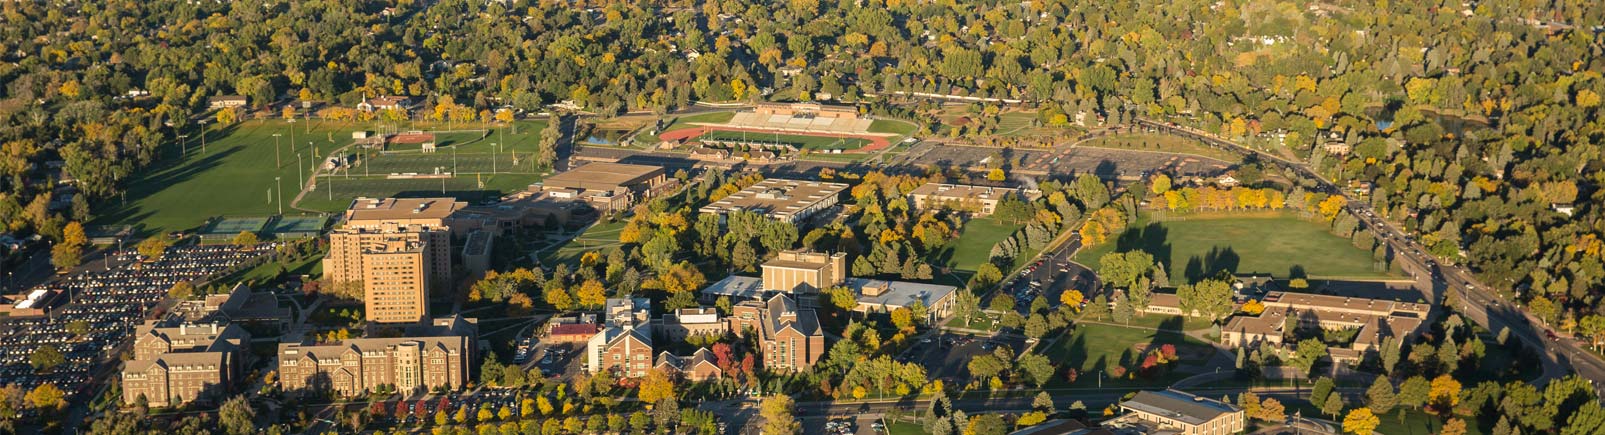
x: 804, y: 272
x: 624, y: 345
x: 398, y: 250
x: 789, y: 337
x: 882, y: 296
x: 1182, y: 413
x: 680, y: 324
x: 1374, y: 320
x: 977, y: 200
x: 438, y: 356
x: 781, y: 199
x: 177, y: 365
x: 608, y: 187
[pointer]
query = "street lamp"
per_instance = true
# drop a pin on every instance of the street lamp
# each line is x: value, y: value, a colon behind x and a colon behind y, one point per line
x: 203, y: 136
x: 493, y: 157
x: 276, y: 146
x: 280, y: 187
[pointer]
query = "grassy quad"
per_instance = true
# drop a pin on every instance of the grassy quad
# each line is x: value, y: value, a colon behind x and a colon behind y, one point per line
x: 235, y: 174
x: 1095, y: 348
x: 1279, y: 243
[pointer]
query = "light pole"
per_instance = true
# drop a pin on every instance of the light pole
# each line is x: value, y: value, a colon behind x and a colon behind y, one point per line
x: 203, y: 136
x: 183, y: 143
x: 493, y: 156
x: 280, y: 187
x: 276, y: 146
x: 299, y: 177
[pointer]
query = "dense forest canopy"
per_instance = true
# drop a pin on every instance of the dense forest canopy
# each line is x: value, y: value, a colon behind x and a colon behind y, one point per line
x: 1523, y: 75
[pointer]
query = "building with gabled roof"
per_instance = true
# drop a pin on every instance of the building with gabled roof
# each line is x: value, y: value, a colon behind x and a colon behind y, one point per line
x: 438, y: 356
x: 177, y: 365
x: 790, y: 338
x: 624, y: 345
x: 697, y: 367
x: 1184, y: 413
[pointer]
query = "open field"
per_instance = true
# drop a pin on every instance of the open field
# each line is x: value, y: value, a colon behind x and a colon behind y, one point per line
x: 974, y: 245
x: 1278, y: 243
x: 891, y: 126
x: 674, y: 123
x: 1093, y: 349
x: 235, y: 175
x: 1160, y: 143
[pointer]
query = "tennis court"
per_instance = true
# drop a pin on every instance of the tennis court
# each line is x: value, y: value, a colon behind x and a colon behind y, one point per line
x: 223, y: 229
x: 297, y: 227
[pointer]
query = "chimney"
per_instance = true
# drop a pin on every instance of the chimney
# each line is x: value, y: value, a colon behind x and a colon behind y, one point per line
x: 214, y: 328
x: 183, y: 329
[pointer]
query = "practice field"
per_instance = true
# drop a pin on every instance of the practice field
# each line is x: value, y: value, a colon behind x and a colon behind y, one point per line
x: 1278, y: 243
x: 235, y: 174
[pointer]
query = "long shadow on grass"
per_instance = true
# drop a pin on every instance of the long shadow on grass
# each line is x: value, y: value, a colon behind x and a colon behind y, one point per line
x: 1216, y: 261
x: 1149, y: 238
x: 158, y: 179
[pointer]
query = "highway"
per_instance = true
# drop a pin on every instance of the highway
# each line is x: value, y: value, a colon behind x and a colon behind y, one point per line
x: 1560, y: 355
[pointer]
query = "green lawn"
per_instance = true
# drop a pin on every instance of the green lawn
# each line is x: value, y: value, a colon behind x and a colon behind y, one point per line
x: 986, y: 322
x: 1279, y: 243
x: 1092, y: 349
x: 974, y: 245
x: 601, y: 236
x: 891, y: 126
x: 1160, y: 143
x: 647, y: 137
x: 904, y: 428
x: 235, y: 174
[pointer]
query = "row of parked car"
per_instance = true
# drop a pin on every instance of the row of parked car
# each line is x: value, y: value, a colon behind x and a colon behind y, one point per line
x: 111, y: 303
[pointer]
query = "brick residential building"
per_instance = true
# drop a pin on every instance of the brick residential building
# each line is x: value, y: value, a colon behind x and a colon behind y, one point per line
x: 699, y: 366
x: 789, y: 338
x: 397, y: 250
x: 686, y: 322
x: 439, y: 356
x: 624, y: 344
x: 977, y: 200
x: 177, y: 365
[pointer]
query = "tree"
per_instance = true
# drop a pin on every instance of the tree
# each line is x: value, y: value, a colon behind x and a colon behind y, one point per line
x: 1380, y: 397
x: 1210, y: 299
x: 996, y: 174
x: 1413, y: 393
x: 1333, y: 406
x: 1042, y: 402
x: 245, y: 239
x: 591, y: 294
x: 47, y: 396
x: 1071, y: 298
x: 1323, y: 387
x: 181, y: 290
x: 986, y: 424
x: 656, y: 387
x: 73, y: 234
x: 1037, y: 368
x: 1098, y: 308
x: 777, y: 417
x: 1161, y: 184
x: 45, y: 358
x: 1310, y: 351
x: 1360, y: 421
x: 152, y: 248
x: 1122, y: 311
x: 1272, y: 410
x: 237, y: 417
x: 66, y: 256
x: 1444, y: 393
x: 1457, y: 426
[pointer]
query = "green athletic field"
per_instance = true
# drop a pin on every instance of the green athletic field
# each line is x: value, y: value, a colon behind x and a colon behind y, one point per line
x: 234, y: 175
x: 1279, y: 243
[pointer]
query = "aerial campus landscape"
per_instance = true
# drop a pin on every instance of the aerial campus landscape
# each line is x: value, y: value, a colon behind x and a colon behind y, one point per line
x: 802, y: 217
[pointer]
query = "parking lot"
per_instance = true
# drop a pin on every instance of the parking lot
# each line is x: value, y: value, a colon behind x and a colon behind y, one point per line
x: 1068, y: 160
x: 560, y: 360
x: 111, y: 303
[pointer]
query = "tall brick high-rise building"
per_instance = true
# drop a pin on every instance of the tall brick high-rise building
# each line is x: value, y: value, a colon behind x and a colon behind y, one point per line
x: 397, y: 251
